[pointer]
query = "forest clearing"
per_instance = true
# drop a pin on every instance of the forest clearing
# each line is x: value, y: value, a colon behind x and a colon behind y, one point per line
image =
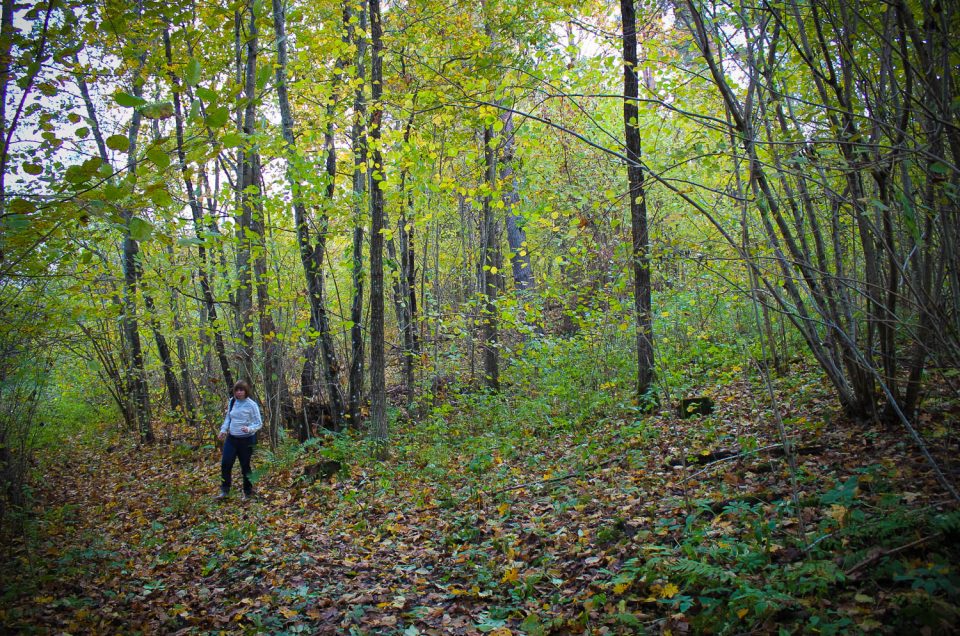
x: 540, y: 317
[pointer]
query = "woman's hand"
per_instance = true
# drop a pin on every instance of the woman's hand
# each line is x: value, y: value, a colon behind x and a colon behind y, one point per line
x: 221, y: 436
x: 245, y: 429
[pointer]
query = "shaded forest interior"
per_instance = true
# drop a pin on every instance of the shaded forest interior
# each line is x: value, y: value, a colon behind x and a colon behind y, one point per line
x: 562, y: 317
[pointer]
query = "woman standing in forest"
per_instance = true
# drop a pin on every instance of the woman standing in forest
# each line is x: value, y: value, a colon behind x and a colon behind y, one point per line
x: 239, y: 435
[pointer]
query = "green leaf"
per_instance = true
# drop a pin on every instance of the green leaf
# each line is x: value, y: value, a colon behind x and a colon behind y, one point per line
x: 232, y: 140
x: 910, y: 217
x: 938, y: 167
x: 22, y: 206
x: 140, y: 230
x: 161, y: 198
x: 15, y: 222
x: 206, y: 94
x: 192, y: 75
x: 128, y: 101
x: 112, y: 192
x: 218, y: 117
x: 33, y: 168
x: 157, y: 110
x: 157, y: 155
x: 263, y: 76
x: 82, y: 132
x: 120, y: 143
x: 105, y: 170
x: 79, y: 174
x: 189, y: 242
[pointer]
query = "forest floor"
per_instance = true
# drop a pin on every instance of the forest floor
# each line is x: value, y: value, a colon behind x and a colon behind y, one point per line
x: 612, y: 524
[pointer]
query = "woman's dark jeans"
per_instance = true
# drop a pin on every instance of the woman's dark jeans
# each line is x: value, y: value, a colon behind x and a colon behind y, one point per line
x: 237, y: 448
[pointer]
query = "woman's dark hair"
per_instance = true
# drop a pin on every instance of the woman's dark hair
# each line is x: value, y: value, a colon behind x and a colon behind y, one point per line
x: 241, y: 385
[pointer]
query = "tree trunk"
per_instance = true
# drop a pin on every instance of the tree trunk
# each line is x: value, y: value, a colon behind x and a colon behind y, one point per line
x: 163, y: 350
x: 516, y: 235
x: 311, y: 256
x: 378, y: 396
x: 252, y: 222
x: 196, y: 212
x: 638, y: 210
x: 404, y: 293
x: 131, y: 328
x: 490, y: 236
x: 190, y: 404
x: 245, y: 179
x: 273, y: 379
x: 359, y: 147
x: 6, y: 57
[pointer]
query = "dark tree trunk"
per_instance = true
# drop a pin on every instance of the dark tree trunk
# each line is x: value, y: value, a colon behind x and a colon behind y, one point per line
x: 6, y: 48
x: 311, y: 256
x: 131, y: 255
x: 246, y: 76
x: 638, y: 209
x: 378, y: 396
x: 254, y: 247
x: 196, y: 212
x: 523, y: 277
x: 163, y: 350
x: 404, y: 294
x: 359, y: 147
x: 489, y: 273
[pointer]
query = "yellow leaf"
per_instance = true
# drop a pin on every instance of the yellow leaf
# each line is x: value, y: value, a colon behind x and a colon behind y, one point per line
x: 511, y: 575
x: 503, y: 508
x: 287, y: 612
x: 838, y: 513
x: 669, y: 591
x: 620, y: 588
x: 742, y: 612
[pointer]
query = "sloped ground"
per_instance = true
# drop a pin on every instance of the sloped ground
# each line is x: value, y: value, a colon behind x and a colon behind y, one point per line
x: 475, y: 525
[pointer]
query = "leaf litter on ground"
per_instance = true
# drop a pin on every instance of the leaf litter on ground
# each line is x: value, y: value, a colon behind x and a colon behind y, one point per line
x: 614, y: 524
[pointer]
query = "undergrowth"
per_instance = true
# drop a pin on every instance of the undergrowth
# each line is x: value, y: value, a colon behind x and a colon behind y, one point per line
x: 554, y: 506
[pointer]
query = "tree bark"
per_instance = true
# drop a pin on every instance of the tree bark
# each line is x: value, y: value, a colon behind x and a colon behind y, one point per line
x: 6, y: 57
x: 490, y: 236
x: 378, y: 396
x: 311, y: 256
x: 193, y: 201
x: 516, y: 235
x: 246, y: 76
x: 131, y: 255
x: 254, y: 247
x: 404, y: 292
x: 638, y: 209
x: 359, y: 146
